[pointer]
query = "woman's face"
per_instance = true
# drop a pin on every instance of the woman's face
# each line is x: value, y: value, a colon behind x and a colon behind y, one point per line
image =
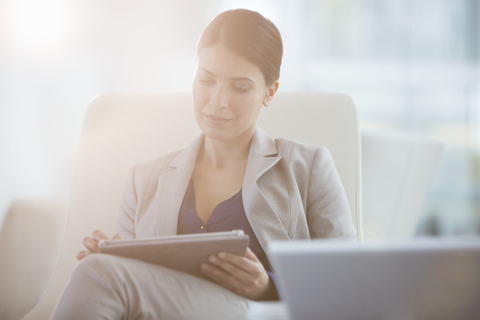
x: 228, y: 92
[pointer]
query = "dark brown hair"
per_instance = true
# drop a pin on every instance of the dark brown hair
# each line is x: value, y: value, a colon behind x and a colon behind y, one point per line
x: 250, y: 35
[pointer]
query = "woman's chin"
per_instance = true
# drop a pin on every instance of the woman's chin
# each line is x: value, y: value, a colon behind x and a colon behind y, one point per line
x: 216, y: 133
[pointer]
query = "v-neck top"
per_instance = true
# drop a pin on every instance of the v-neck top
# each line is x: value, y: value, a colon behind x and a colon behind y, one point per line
x: 228, y: 215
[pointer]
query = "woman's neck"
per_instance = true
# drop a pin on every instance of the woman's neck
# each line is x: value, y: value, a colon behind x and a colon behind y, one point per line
x: 221, y: 154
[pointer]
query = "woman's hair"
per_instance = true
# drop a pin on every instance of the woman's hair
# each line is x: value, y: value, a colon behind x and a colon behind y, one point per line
x: 250, y: 35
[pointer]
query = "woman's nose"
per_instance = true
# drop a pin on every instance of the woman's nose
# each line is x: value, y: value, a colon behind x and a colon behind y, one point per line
x: 219, y: 97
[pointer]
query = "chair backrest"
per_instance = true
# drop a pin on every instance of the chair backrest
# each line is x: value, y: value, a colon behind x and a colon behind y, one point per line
x: 397, y: 171
x: 122, y: 129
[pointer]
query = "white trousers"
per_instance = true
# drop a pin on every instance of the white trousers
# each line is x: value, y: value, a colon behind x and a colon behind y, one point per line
x: 103, y: 286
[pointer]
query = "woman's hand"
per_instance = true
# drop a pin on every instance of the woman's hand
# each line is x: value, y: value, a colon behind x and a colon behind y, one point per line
x: 245, y: 276
x: 92, y: 243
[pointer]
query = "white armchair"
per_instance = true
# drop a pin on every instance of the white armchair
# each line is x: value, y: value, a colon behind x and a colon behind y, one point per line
x: 122, y: 129
x: 30, y: 242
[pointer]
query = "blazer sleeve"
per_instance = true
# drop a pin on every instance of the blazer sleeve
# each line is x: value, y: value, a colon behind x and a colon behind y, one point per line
x: 126, y: 216
x: 328, y: 211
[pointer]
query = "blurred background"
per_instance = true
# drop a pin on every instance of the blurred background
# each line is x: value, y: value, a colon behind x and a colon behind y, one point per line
x: 409, y: 65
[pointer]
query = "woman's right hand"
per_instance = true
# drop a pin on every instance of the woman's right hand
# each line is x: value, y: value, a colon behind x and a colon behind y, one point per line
x: 92, y: 243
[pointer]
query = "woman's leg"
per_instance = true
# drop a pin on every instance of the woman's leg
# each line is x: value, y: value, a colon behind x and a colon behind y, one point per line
x: 109, y: 287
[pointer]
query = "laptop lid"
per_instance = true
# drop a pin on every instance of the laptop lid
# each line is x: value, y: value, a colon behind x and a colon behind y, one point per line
x: 401, y: 280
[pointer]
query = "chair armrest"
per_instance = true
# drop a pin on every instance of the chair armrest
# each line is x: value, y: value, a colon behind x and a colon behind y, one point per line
x: 30, y: 243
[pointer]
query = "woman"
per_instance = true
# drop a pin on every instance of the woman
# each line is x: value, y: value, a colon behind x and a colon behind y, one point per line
x: 233, y: 176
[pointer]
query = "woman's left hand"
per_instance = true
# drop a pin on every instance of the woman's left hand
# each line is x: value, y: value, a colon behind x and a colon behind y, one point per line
x: 245, y: 276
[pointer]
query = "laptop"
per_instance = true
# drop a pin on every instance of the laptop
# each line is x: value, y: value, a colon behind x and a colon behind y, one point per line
x: 427, y: 279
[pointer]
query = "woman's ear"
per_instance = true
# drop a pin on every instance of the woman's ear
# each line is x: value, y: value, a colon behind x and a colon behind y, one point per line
x: 270, y: 93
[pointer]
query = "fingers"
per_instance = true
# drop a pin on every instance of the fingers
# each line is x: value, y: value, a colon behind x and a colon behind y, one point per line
x: 246, y: 285
x: 98, y: 235
x: 82, y: 254
x: 234, y: 270
x: 250, y: 255
x: 223, y: 278
x: 244, y: 275
x: 117, y: 237
x: 248, y: 265
x: 91, y: 245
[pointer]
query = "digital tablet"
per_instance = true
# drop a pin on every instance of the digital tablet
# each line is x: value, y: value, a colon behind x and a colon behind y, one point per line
x: 183, y: 252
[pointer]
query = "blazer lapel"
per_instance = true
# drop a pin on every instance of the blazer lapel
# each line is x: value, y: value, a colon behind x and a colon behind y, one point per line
x: 262, y: 217
x: 172, y: 185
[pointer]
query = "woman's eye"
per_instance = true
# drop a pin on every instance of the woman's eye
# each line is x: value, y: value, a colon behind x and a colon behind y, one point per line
x: 207, y: 82
x: 240, y: 89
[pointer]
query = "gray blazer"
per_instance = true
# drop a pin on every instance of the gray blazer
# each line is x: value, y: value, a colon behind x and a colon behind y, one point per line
x: 291, y: 191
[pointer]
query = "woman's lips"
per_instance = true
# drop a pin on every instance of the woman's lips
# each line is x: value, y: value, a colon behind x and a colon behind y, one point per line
x: 216, y: 120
